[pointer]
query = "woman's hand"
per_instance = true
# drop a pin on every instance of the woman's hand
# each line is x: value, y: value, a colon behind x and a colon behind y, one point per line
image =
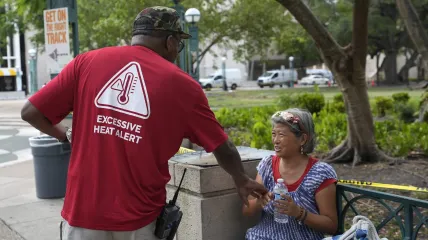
x: 287, y: 206
x: 265, y: 199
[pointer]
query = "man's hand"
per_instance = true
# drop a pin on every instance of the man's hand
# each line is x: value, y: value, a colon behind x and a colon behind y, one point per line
x: 248, y: 186
x: 264, y: 200
x: 229, y: 159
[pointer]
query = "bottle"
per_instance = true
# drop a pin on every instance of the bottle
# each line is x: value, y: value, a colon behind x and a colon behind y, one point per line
x: 280, y: 188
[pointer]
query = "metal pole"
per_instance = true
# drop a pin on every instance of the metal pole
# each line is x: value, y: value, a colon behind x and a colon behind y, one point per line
x: 223, y: 66
x: 292, y: 74
x: 75, y: 39
x: 194, y: 51
x: 197, y: 54
x: 182, y: 56
x: 33, y: 74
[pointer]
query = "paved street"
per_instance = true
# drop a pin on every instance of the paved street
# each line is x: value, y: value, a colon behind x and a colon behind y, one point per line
x: 14, y: 133
x: 252, y: 86
x: 22, y: 214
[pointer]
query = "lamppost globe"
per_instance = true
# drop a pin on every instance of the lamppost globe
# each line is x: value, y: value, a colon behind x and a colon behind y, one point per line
x: 291, y: 58
x: 223, y: 59
x: 32, y: 52
x: 192, y: 15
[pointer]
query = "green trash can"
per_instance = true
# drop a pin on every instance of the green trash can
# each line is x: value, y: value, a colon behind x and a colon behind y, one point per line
x: 50, y: 159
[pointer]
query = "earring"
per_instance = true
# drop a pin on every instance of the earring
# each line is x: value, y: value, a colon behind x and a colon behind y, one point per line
x: 301, y: 150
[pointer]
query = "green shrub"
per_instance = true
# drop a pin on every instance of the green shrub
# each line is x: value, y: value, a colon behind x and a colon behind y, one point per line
x: 261, y: 135
x: 248, y: 126
x: 424, y: 98
x: 338, y: 98
x: 383, y: 104
x: 240, y: 138
x: 286, y: 101
x: 313, y: 102
x: 401, y: 98
x: 330, y: 129
x: 397, y: 137
x: 406, y: 112
x: 337, y: 105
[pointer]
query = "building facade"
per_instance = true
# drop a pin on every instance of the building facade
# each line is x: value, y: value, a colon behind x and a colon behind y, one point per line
x: 13, y: 77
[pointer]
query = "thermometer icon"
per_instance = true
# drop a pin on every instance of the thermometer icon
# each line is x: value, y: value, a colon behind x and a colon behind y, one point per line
x: 123, y: 97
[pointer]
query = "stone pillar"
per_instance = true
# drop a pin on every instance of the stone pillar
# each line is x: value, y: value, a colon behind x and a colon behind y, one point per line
x: 212, y: 209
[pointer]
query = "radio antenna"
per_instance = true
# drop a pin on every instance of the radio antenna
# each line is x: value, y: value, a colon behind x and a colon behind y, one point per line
x: 174, y: 200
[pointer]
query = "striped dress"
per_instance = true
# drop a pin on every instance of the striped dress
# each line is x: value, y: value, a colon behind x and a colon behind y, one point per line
x: 304, y: 195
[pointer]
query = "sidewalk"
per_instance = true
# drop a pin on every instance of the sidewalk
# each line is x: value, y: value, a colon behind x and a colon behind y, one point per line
x: 22, y: 215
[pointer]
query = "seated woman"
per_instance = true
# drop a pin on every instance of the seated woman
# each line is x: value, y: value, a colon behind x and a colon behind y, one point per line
x: 311, y: 203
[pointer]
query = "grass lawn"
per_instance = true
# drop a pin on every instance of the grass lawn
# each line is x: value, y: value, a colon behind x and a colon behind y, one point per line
x: 249, y: 98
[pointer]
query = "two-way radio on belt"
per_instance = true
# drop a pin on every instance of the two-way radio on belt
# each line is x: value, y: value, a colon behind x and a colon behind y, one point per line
x: 170, y: 218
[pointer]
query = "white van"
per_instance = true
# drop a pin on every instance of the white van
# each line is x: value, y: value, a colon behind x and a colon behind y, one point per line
x: 277, y: 77
x: 215, y: 80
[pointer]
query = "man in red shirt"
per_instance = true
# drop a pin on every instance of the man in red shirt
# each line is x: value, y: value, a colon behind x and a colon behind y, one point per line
x: 131, y: 109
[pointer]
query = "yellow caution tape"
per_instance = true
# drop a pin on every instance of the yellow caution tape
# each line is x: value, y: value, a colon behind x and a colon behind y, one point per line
x: 384, y: 185
x: 353, y: 182
x: 183, y: 150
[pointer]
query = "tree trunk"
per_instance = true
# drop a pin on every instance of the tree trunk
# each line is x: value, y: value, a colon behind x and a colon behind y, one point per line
x: 379, y: 67
x: 421, y: 70
x: 423, y: 111
x: 404, y: 71
x: 348, y: 66
x: 390, y: 68
x: 414, y: 28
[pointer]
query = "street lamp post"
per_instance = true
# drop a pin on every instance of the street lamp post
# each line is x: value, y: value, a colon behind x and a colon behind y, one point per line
x: 33, y: 70
x: 291, y: 59
x: 182, y: 56
x: 192, y: 17
x: 223, y: 67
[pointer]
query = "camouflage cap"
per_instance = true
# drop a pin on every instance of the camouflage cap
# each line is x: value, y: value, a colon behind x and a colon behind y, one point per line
x: 158, y: 18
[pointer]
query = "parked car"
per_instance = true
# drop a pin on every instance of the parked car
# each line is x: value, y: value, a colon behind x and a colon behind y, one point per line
x: 215, y: 80
x: 314, y: 79
x: 322, y: 72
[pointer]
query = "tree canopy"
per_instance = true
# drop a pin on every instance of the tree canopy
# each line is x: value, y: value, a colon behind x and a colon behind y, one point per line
x: 250, y: 28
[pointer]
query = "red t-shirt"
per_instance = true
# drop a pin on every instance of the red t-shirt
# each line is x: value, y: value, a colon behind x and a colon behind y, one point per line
x: 292, y: 187
x: 131, y: 111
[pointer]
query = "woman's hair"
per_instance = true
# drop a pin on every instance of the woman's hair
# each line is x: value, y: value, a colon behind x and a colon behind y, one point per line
x: 300, y: 121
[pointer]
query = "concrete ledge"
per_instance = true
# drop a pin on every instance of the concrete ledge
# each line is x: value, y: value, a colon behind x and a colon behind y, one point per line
x: 212, y: 209
x: 209, y: 179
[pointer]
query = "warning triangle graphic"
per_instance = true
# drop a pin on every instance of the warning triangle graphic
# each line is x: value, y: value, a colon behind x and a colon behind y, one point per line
x: 117, y: 85
x: 126, y: 92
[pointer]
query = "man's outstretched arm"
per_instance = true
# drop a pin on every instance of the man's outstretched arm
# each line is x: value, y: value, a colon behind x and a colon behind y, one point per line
x: 229, y: 159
